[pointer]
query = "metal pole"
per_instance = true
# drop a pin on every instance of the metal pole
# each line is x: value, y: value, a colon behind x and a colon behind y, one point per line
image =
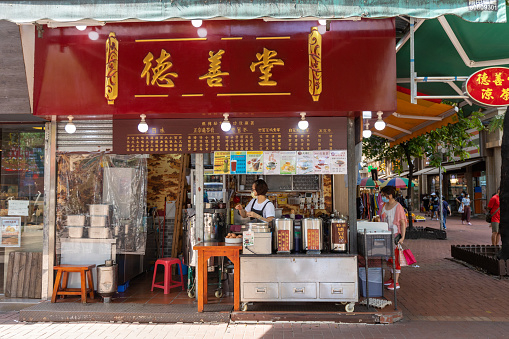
x: 413, y: 84
x: 352, y: 184
x: 440, y: 198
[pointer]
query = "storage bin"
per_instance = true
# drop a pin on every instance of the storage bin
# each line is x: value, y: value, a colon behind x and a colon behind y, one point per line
x: 98, y: 220
x: 99, y: 209
x: 76, y: 220
x: 99, y: 233
x: 375, y: 277
x: 75, y: 231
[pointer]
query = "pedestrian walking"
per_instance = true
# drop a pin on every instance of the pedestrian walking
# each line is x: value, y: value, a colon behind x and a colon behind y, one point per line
x: 465, y: 217
x: 434, y: 202
x: 446, y: 209
x: 494, y: 209
x: 425, y: 204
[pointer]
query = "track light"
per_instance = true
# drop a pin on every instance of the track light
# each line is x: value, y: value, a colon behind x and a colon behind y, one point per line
x: 303, y: 124
x: 196, y: 23
x: 367, y: 132
x: 143, y: 126
x: 225, y: 125
x: 70, y: 127
x: 380, y: 124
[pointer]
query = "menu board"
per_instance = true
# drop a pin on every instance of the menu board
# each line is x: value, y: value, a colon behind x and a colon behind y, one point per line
x: 288, y: 162
x: 247, y: 134
x: 271, y: 162
x: 305, y: 162
x: 321, y: 162
x: 338, y: 162
x: 221, y: 162
x: 238, y: 162
x: 254, y: 162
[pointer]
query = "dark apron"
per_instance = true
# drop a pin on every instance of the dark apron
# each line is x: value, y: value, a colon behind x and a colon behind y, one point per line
x: 259, y: 212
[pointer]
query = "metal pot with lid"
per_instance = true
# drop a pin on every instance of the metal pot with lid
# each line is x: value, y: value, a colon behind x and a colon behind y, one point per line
x: 283, y: 234
x: 312, y: 235
x: 257, y: 227
x: 338, y: 234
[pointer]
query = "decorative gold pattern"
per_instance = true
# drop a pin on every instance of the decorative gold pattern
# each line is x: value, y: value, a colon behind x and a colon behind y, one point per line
x: 111, y: 86
x: 315, y: 63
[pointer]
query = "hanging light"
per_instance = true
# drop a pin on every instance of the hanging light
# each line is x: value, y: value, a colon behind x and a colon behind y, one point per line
x: 143, y: 126
x: 196, y: 23
x: 225, y: 125
x: 322, y: 22
x: 81, y: 28
x: 367, y: 132
x: 303, y: 123
x: 380, y: 124
x: 70, y: 127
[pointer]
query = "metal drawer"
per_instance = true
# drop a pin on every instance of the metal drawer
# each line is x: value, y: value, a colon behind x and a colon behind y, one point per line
x: 259, y: 291
x: 343, y: 291
x: 298, y: 290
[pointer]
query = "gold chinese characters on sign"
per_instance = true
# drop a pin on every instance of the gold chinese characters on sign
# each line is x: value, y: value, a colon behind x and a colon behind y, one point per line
x: 265, y: 64
x: 111, y: 86
x: 160, y: 72
x: 214, y: 76
x: 315, y: 63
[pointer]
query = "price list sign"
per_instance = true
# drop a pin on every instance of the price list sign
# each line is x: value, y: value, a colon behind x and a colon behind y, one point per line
x: 247, y: 134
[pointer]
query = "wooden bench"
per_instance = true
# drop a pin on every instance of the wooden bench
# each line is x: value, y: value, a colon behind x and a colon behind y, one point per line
x: 63, y: 272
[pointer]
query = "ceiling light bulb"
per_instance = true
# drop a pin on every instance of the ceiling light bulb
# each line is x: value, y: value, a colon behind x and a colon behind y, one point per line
x: 367, y: 132
x: 81, y: 28
x: 93, y: 35
x: 202, y: 32
x: 225, y: 125
x: 322, y: 29
x: 70, y: 127
x: 380, y: 124
x: 303, y: 124
x: 196, y: 23
x: 143, y: 126
x: 322, y: 22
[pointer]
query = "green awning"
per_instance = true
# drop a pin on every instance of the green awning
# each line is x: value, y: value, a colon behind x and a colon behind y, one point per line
x: 158, y: 10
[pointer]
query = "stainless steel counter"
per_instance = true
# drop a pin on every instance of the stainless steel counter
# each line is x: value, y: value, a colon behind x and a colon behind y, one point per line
x: 299, y: 277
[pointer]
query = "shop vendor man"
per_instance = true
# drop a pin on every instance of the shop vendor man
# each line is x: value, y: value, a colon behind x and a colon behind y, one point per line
x: 260, y: 207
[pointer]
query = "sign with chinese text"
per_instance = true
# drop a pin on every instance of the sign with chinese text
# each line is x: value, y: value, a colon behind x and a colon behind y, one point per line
x: 305, y: 162
x: 18, y: 207
x: 254, y: 161
x: 10, y: 235
x: 321, y: 162
x: 489, y: 86
x: 272, y: 161
x: 288, y: 162
x: 338, y: 162
x: 174, y: 70
x: 313, y: 236
x: 247, y: 134
x: 221, y: 162
x: 238, y: 162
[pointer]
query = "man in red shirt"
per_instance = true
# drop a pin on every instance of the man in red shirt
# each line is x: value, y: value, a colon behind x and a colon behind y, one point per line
x: 494, y: 209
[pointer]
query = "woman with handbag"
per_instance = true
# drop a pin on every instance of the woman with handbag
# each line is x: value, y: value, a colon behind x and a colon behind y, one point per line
x: 394, y: 214
x: 466, y: 210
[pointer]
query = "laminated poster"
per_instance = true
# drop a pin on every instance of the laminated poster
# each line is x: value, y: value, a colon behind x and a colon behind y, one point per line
x: 305, y: 162
x: 288, y: 161
x: 238, y: 162
x: 321, y: 162
x: 254, y: 162
x: 271, y: 162
x: 221, y: 162
x: 10, y: 228
x: 338, y: 162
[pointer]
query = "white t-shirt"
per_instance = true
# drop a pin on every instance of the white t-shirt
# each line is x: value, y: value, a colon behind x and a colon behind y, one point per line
x: 390, y: 218
x: 269, y: 210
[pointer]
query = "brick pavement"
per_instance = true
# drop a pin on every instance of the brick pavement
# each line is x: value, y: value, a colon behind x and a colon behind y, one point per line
x: 440, y: 299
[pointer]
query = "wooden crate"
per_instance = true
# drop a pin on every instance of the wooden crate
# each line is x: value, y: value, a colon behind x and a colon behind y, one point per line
x: 24, y: 275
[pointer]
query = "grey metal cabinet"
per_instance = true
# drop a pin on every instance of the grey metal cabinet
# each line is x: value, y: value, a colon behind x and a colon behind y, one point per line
x: 303, y: 278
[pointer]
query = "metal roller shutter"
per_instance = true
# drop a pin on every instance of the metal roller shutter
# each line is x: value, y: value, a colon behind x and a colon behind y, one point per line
x: 90, y: 136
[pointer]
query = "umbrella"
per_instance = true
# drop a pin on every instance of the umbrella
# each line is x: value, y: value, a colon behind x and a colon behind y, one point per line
x: 369, y: 182
x: 396, y: 182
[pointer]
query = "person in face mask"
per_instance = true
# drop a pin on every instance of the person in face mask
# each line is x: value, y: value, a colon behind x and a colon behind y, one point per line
x: 260, y: 207
x: 394, y: 214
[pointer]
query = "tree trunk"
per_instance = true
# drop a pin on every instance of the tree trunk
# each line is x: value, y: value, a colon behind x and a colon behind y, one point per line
x: 504, y: 192
x: 409, y: 187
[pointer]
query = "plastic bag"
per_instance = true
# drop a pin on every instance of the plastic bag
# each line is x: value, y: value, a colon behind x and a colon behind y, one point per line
x: 460, y: 209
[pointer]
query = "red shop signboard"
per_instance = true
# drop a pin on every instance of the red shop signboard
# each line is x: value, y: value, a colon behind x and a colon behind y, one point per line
x: 489, y: 86
x: 175, y: 70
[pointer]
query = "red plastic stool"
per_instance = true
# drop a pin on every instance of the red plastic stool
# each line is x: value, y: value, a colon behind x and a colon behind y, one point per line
x: 167, y: 284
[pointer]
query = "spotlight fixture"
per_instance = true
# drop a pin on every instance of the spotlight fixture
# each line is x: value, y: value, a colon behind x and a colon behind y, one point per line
x: 81, y: 28
x: 70, y: 127
x: 380, y: 124
x: 143, y: 126
x: 225, y: 125
x: 196, y: 23
x: 303, y: 124
x: 367, y: 132
x: 322, y: 22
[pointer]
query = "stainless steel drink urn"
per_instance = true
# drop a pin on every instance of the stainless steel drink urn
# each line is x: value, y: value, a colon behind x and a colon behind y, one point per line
x: 338, y: 234
x: 284, y: 234
x: 312, y: 234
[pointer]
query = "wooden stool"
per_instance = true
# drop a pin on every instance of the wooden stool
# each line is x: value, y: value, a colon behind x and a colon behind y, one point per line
x: 86, y: 273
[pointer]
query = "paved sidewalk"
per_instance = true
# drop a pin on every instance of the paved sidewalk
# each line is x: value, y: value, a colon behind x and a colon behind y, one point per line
x: 440, y: 299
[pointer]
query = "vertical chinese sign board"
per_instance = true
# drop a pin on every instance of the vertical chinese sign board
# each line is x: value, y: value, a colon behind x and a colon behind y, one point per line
x: 248, y: 68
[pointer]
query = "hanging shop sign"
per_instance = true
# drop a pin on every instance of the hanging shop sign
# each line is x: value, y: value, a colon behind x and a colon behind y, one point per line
x: 172, y: 69
x: 489, y: 86
x: 247, y: 134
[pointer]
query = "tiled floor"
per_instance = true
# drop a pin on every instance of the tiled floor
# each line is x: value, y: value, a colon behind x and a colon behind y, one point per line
x: 139, y: 293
